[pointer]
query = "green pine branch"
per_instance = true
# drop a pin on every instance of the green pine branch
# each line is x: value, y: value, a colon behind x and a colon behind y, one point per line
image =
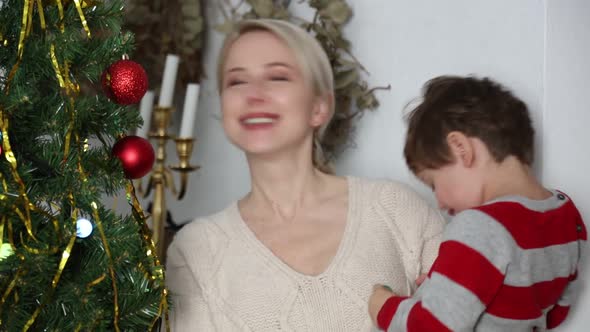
x: 43, y: 120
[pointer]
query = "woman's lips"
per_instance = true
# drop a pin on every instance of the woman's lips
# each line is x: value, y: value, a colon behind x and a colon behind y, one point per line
x: 258, y: 120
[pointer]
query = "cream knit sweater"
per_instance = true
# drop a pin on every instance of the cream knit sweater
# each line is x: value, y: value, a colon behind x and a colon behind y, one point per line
x: 221, y: 278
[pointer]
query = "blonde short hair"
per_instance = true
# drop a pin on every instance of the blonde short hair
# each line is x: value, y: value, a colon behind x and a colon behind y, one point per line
x: 310, y: 55
x: 311, y: 58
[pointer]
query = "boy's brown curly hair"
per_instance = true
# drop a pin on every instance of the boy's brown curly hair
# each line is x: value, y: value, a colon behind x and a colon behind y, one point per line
x: 476, y: 107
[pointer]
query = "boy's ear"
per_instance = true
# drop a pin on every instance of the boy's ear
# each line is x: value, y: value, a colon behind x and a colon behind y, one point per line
x: 461, y: 148
x: 322, y: 111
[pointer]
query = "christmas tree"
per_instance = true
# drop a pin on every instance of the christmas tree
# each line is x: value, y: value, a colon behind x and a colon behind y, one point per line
x: 67, y: 262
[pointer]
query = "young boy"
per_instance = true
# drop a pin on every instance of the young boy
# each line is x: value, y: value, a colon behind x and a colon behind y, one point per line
x: 509, y: 256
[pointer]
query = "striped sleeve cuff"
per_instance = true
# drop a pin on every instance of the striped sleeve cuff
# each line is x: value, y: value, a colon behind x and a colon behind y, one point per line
x: 388, y: 310
x: 556, y: 316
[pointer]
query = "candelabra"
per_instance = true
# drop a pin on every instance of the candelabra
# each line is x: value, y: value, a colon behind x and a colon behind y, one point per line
x: 161, y: 177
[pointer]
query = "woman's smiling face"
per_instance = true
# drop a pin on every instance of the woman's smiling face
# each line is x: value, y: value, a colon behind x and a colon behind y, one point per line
x: 268, y: 104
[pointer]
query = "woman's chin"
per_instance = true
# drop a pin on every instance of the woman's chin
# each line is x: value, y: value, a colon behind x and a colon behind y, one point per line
x: 260, y: 151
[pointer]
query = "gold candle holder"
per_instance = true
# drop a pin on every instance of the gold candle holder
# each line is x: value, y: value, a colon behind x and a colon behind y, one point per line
x: 161, y: 178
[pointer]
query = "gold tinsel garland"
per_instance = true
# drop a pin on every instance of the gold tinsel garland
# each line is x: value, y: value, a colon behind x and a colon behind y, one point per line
x: 24, y: 207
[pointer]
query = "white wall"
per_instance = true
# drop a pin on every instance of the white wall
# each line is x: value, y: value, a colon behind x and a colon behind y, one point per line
x: 413, y: 42
x: 566, y: 116
x: 540, y: 48
x: 405, y: 43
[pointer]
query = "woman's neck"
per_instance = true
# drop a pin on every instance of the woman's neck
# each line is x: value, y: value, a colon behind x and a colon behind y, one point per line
x: 284, y: 186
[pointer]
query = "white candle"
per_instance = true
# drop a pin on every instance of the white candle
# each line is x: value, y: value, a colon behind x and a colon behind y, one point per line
x: 145, y: 110
x: 168, y: 80
x: 189, y: 111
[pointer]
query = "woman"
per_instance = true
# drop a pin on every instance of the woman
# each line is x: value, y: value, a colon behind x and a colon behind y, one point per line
x: 303, y: 249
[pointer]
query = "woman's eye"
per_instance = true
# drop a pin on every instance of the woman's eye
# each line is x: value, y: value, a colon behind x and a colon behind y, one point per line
x: 235, y: 82
x: 279, y: 78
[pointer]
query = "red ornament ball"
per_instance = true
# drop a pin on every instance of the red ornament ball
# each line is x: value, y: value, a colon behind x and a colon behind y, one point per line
x: 125, y: 82
x: 136, y: 154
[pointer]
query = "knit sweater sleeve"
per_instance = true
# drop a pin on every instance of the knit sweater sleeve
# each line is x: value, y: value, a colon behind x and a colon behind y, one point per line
x: 188, y: 310
x: 417, y: 225
x: 190, y: 258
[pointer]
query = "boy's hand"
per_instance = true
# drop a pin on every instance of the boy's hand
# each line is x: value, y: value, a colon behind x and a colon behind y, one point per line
x: 380, y: 295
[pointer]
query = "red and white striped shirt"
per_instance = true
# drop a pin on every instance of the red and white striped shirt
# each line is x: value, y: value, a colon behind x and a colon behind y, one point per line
x: 509, y: 265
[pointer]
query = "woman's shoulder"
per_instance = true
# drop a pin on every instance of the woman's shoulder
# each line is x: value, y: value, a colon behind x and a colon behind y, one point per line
x: 397, y: 204
x: 387, y: 191
x: 202, y: 239
x: 209, y: 225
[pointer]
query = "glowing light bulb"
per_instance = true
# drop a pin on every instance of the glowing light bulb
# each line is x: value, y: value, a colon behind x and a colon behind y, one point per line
x: 83, y: 228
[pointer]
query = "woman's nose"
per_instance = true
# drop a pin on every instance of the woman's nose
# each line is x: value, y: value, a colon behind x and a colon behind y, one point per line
x: 255, y: 93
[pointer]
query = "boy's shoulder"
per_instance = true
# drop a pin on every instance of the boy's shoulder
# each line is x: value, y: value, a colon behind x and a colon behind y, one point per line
x: 518, y: 219
x: 512, y: 210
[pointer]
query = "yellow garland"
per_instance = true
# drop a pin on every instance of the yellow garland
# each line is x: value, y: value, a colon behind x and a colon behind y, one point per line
x: 2, y: 223
x: 48, y: 251
x: 14, y: 280
x: 82, y: 18
x: 3, y: 41
x: 10, y: 236
x: 8, y: 291
x: 103, y: 237
x: 80, y: 168
x: 95, y: 282
x: 98, y: 223
x: 71, y: 90
x: 27, y: 24
x: 64, y: 259
x: 54, y: 222
x: 151, y: 253
x: 60, y: 10
x: 110, y: 258
x: 88, y: 287
x: 63, y: 76
x: 4, y: 184
x: 9, y: 155
x: 55, y: 64
x: 41, y: 15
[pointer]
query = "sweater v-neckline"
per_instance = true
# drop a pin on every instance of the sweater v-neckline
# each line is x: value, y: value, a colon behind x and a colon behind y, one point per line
x: 267, y: 253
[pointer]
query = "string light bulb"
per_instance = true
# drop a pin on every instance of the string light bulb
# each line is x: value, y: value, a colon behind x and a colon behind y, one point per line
x: 83, y: 228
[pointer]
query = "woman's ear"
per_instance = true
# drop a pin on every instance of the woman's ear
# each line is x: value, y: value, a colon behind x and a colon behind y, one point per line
x: 322, y: 111
x: 461, y: 147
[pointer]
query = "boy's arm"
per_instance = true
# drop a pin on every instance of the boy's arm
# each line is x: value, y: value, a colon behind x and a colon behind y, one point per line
x: 559, y: 313
x: 464, y: 279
